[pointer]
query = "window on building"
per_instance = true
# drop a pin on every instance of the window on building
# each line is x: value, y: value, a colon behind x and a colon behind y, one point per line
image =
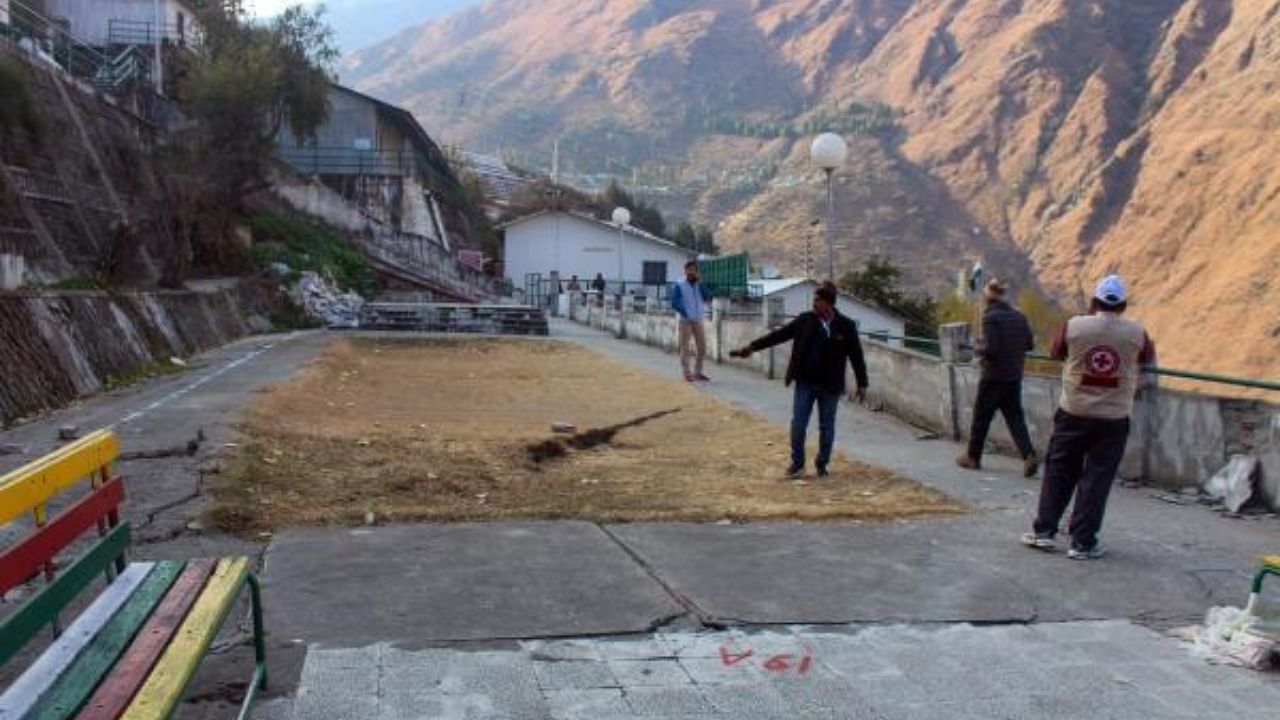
x: 655, y: 273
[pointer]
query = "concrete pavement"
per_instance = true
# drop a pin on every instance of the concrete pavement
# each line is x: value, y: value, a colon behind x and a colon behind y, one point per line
x: 1079, y: 670
x: 431, y: 583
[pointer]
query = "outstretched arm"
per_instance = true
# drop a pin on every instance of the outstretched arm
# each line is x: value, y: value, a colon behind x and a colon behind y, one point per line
x: 777, y: 337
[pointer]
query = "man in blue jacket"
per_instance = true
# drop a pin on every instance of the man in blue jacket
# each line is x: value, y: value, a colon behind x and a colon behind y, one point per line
x: 824, y: 340
x: 690, y: 299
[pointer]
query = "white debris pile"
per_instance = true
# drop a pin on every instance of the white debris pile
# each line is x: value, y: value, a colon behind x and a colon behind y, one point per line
x: 1233, y: 484
x: 325, y: 303
x: 1231, y: 636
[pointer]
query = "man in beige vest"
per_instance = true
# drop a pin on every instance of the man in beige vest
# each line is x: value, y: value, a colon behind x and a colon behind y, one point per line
x: 1103, y: 354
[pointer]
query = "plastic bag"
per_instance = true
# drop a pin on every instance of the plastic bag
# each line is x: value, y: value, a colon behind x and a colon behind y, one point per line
x: 1233, y: 637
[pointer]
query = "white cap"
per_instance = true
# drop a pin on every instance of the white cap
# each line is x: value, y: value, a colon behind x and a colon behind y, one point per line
x: 1111, y: 290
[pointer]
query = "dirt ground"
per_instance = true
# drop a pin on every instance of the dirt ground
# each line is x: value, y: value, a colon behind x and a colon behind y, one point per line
x: 398, y: 430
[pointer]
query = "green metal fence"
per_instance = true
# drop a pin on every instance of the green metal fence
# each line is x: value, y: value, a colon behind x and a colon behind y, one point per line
x: 932, y: 346
x: 1251, y: 383
x: 727, y: 275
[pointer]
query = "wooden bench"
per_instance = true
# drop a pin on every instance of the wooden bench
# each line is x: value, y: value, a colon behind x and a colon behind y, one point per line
x: 133, y: 650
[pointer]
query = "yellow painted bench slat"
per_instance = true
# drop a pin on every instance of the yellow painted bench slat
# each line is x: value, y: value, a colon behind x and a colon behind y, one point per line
x: 31, y: 485
x: 162, y: 691
x: 1271, y: 561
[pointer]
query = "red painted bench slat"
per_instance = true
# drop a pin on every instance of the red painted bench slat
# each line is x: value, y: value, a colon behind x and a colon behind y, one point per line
x: 22, y: 560
x: 118, y: 688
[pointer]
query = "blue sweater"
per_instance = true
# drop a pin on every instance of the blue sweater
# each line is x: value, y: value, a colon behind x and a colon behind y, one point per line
x: 677, y: 299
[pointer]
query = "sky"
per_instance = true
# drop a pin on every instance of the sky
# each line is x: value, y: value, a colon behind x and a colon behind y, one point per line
x: 360, y: 23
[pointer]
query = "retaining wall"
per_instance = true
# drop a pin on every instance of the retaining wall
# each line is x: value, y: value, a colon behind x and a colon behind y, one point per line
x: 57, y: 346
x: 1178, y: 439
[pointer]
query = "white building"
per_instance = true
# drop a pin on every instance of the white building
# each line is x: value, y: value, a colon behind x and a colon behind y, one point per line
x: 127, y: 22
x: 796, y: 296
x: 563, y: 244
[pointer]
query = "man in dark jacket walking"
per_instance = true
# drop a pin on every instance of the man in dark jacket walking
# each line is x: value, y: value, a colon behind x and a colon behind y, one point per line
x: 824, y: 340
x: 1006, y: 339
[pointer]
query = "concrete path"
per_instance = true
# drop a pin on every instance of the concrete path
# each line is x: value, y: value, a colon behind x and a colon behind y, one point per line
x: 1080, y: 670
x: 160, y: 417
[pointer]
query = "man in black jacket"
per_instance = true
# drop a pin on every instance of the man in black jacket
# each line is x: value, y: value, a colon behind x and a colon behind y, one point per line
x: 824, y: 340
x: 1006, y: 339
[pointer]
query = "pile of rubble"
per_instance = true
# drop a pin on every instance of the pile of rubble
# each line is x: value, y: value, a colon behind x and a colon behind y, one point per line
x: 324, y: 303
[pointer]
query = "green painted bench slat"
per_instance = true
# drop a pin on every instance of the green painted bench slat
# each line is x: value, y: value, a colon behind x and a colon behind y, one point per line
x: 41, y: 609
x: 77, y: 684
x: 25, y: 692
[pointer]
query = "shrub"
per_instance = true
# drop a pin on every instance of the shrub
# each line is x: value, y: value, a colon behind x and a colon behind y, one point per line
x: 303, y: 246
x: 18, y: 111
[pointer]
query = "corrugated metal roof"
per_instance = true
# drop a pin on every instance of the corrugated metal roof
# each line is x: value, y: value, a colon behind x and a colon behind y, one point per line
x: 629, y: 229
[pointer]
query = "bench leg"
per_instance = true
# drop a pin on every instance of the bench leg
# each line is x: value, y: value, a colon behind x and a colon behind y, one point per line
x: 259, y: 681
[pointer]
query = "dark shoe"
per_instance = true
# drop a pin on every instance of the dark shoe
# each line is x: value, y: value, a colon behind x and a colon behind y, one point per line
x: 1093, y: 553
x: 1030, y: 465
x: 1039, y: 541
x: 968, y: 463
x: 689, y: 377
x: 795, y: 472
x: 702, y: 378
x: 823, y: 472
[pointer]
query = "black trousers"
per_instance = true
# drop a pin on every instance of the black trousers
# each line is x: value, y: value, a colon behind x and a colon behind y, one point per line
x: 1005, y: 396
x: 1084, y: 456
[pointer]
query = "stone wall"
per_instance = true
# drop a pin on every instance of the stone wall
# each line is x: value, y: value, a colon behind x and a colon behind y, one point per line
x: 1178, y: 439
x: 413, y: 259
x: 57, y: 346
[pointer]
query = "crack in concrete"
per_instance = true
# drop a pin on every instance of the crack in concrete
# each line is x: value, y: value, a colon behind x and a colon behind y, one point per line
x: 703, y: 618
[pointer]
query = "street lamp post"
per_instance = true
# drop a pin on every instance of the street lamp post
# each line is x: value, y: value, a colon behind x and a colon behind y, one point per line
x: 829, y: 152
x: 621, y: 218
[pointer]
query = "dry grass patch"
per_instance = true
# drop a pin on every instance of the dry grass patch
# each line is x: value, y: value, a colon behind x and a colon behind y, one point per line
x: 414, y: 429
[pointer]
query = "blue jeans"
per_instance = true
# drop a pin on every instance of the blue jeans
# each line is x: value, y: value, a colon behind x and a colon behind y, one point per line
x: 807, y: 394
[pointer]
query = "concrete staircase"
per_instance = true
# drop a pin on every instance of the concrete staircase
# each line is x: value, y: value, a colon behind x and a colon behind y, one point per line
x: 454, y: 318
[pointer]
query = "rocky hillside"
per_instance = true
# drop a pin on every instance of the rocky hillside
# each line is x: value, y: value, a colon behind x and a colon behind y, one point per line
x: 1057, y: 139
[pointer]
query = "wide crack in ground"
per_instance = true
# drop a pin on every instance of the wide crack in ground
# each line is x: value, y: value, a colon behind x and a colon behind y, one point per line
x: 556, y: 448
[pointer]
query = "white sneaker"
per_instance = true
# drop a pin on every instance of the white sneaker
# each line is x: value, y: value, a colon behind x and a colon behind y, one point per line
x: 1036, y: 541
x: 1093, y: 553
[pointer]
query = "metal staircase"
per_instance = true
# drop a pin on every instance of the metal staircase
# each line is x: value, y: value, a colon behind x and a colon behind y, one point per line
x: 48, y: 41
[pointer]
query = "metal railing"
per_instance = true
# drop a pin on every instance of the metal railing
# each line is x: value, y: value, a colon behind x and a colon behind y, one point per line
x: 1251, y: 383
x: 49, y: 41
x: 351, y: 161
x: 143, y: 32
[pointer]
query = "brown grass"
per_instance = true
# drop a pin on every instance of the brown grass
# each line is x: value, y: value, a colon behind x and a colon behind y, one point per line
x: 441, y: 430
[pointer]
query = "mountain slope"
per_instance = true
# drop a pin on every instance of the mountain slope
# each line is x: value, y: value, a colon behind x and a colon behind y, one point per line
x: 1056, y: 139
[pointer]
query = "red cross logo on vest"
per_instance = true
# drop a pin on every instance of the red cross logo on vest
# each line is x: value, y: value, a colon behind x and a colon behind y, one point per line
x: 1102, y: 367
